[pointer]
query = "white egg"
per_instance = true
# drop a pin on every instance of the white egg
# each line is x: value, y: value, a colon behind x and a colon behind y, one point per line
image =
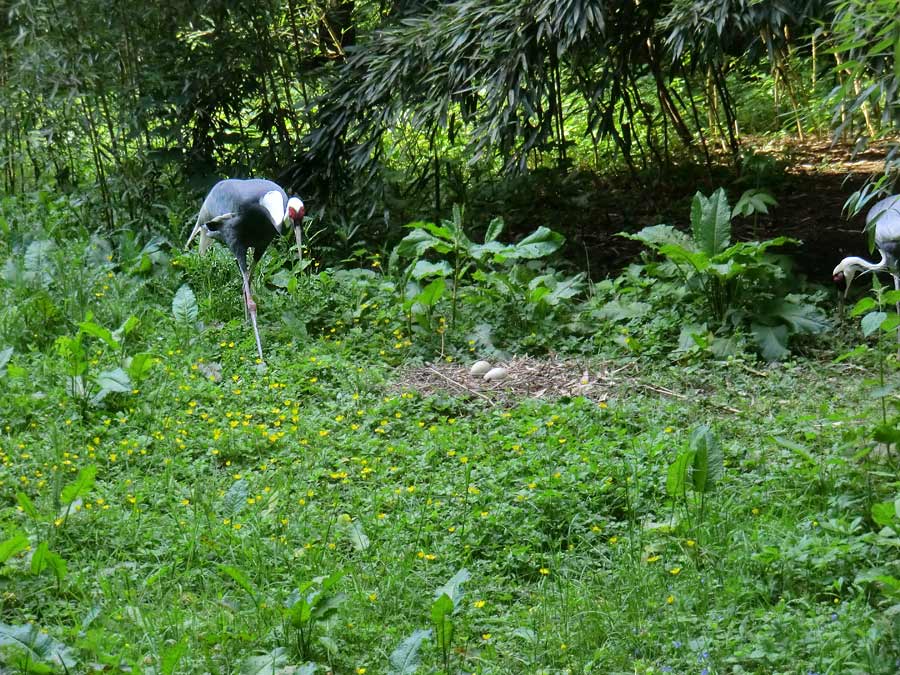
x: 495, y: 374
x: 480, y: 368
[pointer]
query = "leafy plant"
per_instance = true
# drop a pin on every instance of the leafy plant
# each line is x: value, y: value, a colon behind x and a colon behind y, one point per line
x: 94, y: 388
x: 405, y: 659
x: 699, y: 469
x: 30, y: 650
x: 508, y: 277
x: 309, y: 606
x: 738, y: 283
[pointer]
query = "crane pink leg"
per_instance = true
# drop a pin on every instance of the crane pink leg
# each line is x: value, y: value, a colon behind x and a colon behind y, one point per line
x: 897, y: 288
x: 251, y: 309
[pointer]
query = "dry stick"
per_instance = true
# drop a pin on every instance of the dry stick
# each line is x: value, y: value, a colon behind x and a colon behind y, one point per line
x: 669, y: 392
x: 460, y: 385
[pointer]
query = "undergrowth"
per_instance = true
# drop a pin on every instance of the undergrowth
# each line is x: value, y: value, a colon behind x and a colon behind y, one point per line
x: 208, y: 513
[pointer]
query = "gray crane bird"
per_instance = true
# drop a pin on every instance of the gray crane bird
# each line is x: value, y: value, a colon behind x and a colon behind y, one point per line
x: 244, y: 214
x: 886, y: 218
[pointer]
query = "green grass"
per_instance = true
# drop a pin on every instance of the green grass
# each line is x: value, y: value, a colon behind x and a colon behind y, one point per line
x: 217, y: 498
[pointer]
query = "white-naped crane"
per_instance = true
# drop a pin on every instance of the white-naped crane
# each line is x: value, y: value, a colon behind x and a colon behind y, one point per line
x: 886, y: 218
x: 245, y: 214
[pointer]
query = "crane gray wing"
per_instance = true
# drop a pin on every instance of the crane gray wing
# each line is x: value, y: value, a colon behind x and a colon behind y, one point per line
x: 228, y: 198
x: 886, y: 217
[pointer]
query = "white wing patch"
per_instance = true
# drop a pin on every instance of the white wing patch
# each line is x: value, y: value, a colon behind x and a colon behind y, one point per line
x: 274, y: 203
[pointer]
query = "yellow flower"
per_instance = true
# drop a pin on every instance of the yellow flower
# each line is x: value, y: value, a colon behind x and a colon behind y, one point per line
x: 485, y: 636
x: 185, y: 502
x: 478, y: 604
x: 652, y: 558
x: 544, y: 571
x: 675, y: 570
x: 690, y: 542
x: 670, y: 600
x: 613, y: 539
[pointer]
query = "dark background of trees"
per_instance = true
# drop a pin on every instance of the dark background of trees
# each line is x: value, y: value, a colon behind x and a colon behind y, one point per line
x: 377, y: 112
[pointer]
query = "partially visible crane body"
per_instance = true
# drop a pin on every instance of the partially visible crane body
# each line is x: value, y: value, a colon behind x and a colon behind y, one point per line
x: 245, y: 214
x: 885, y: 215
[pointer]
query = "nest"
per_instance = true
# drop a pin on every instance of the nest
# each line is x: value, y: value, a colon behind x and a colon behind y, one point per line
x: 526, y: 377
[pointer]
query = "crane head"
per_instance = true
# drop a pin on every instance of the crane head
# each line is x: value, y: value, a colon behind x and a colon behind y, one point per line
x: 296, y: 210
x: 843, y: 274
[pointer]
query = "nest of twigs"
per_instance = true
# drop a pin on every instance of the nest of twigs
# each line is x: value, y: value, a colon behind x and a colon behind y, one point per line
x: 526, y: 377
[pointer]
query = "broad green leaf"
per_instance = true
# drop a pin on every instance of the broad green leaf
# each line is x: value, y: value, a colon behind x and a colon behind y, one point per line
x: 542, y: 242
x: 82, y: 484
x: 711, y: 222
x: 890, y: 297
x: 417, y: 242
x: 139, y: 366
x: 696, y: 259
x: 495, y: 227
x: 112, y: 381
x: 282, y: 279
x: 405, y: 659
x: 99, y: 332
x: 13, y: 546
x: 127, y: 326
x: 235, y: 498
x: 872, y: 322
x: 38, y: 646
x: 693, y: 336
x: 240, y: 579
x: 752, y: 249
x: 441, y: 612
x: 884, y: 513
x: 864, y: 305
x: 753, y: 201
x: 27, y: 506
x: 656, y: 236
x: 677, y: 476
x: 5, y: 356
x: 723, y: 347
x: 432, y: 293
x: 43, y: 558
x: 329, y: 582
x: 771, y: 340
x: 616, y: 310
x: 802, y: 318
x: 326, y: 605
x: 38, y: 262
x: 424, y: 269
x: 890, y: 324
x: 708, y: 465
x: 184, y: 305
x: 172, y: 654
x: 453, y: 588
x: 856, y: 351
x: 799, y: 450
x: 498, y: 252
x: 264, y: 664
x: 727, y: 270
x: 564, y: 289
x: 354, y: 531
x: 445, y: 232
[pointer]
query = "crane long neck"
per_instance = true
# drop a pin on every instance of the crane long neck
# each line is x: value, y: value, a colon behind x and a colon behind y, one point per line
x: 867, y: 266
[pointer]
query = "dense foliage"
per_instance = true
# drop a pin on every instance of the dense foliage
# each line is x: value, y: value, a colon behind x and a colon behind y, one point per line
x: 374, y: 110
x: 169, y: 505
x: 693, y: 470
